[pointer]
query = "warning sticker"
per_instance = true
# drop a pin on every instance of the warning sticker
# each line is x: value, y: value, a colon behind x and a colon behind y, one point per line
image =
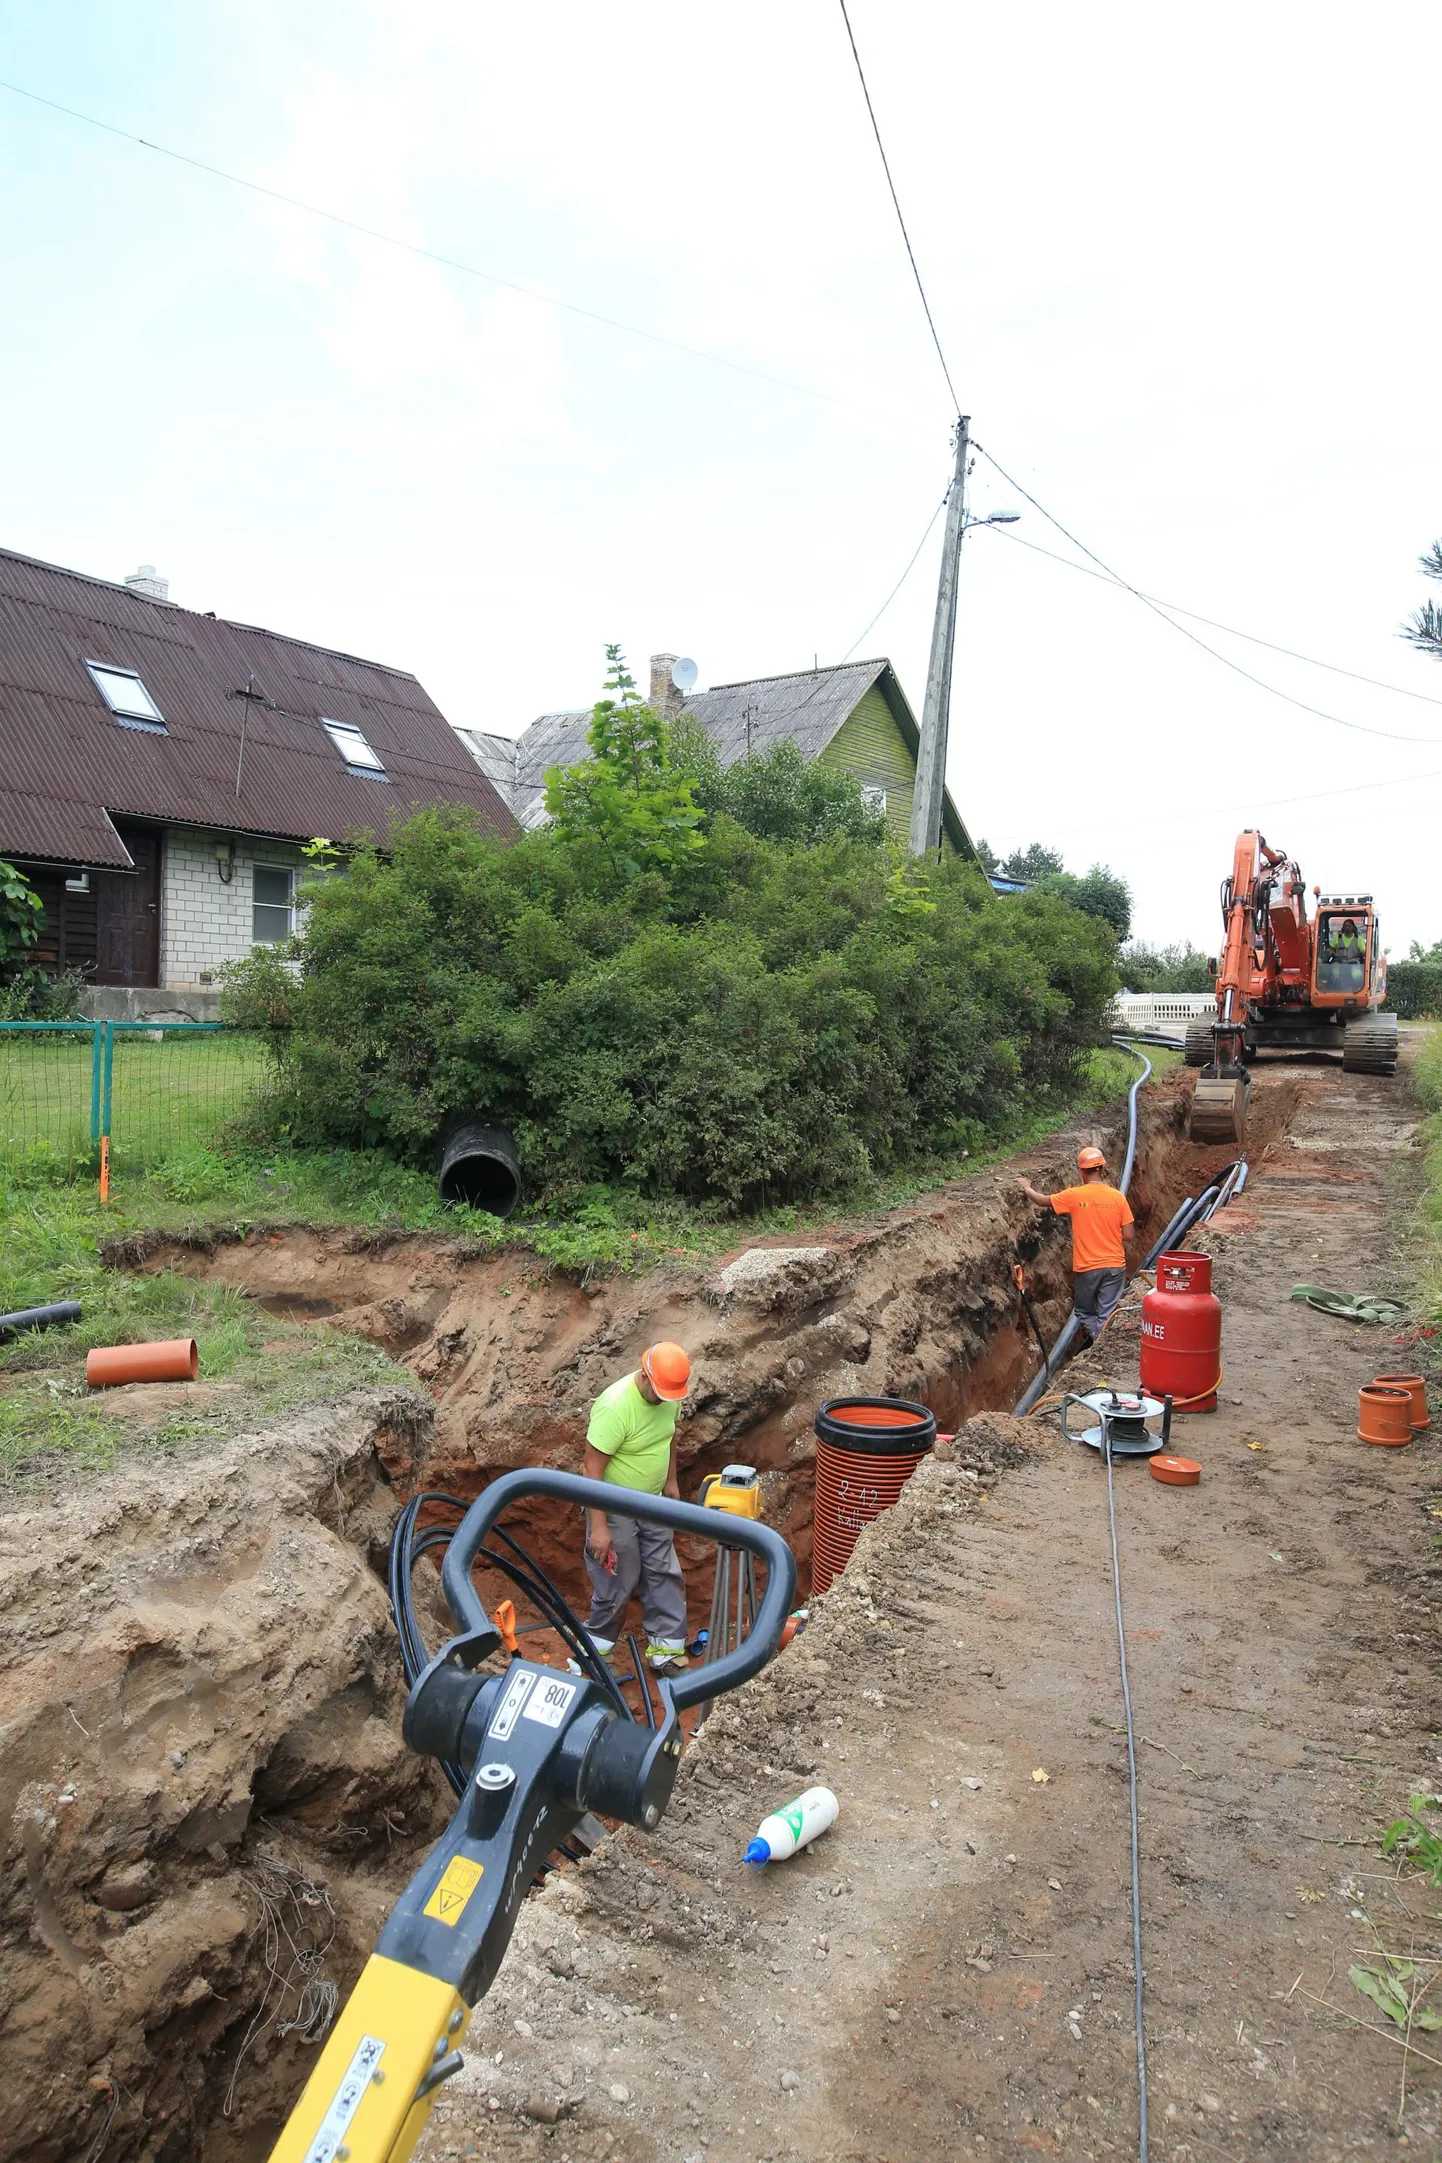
x: 505, y: 1720
x: 346, y: 2101
x: 459, y: 1881
x: 548, y: 1704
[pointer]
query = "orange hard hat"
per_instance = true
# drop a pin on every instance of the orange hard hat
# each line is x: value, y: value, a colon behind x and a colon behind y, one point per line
x: 1090, y: 1160
x: 667, y: 1369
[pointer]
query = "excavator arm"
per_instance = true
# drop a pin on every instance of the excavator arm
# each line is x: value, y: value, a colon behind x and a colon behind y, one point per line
x: 1249, y: 956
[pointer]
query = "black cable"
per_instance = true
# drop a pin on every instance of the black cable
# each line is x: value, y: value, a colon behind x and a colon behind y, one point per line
x: 1109, y: 578
x: 896, y: 204
x: 408, y: 1547
x: 1132, y: 1789
x: 1319, y: 713
x: 411, y: 247
x: 899, y: 583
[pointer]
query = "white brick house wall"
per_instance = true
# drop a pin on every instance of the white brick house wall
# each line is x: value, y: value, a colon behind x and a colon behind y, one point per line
x: 204, y: 922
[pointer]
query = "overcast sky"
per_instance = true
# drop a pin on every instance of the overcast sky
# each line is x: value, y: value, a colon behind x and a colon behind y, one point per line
x: 1182, y: 263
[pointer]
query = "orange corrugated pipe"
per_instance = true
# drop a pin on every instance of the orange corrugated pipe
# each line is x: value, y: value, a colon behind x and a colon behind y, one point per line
x: 1384, y: 1415
x: 176, y: 1360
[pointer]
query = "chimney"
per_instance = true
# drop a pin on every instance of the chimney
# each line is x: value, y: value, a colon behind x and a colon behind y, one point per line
x: 146, y: 581
x: 664, y: 695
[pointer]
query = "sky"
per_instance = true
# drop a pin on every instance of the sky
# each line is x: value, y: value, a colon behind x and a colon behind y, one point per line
x: 1181, y: 268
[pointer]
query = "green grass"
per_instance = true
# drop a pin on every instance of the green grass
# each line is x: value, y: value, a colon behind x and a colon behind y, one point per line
x: 1427, y: 1267
x: 52, y: 1225
x: 49, y: 1239
x: 178, y: 1092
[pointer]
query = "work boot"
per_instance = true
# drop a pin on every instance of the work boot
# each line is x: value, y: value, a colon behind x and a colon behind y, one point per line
x: 665, y: 1659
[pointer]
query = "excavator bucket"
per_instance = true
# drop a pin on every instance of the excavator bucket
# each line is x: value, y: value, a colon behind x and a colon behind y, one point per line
x: 1219, y: 1108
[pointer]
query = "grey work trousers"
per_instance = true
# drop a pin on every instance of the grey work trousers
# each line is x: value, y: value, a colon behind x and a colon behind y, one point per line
x: 645, y: 1562
x: 1095, y: 1296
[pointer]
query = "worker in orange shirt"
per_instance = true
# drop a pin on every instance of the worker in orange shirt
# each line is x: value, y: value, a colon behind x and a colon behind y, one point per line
x: 1101, y: 1222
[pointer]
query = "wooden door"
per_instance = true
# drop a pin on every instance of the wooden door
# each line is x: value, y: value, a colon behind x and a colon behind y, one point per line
x: 128, y: 913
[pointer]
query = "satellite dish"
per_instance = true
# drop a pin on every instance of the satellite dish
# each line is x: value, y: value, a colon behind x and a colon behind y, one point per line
x: 684, y: 674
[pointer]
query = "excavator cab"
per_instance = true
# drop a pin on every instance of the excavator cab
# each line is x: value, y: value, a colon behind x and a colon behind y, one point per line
x: 1344, y: 954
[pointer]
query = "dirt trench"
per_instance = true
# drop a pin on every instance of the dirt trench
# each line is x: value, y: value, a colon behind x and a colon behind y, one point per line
x: 208, y: 1803
x: 917, y: 1303
x: 948, y: 1972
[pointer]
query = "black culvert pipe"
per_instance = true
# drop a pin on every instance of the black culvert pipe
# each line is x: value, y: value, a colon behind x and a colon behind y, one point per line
x: 479, y: 1166
x: 65, y: 1310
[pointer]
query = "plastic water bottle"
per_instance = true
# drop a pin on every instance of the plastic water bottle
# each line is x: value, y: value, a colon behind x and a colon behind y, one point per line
x: 793, y: 1827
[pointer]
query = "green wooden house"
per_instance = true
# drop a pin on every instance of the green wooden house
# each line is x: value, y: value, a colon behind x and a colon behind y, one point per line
x: 854, y: 717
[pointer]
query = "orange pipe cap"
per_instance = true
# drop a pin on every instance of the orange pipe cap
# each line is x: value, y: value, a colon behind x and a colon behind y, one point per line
x: 1175, y: 1471
x: 110, y: 1365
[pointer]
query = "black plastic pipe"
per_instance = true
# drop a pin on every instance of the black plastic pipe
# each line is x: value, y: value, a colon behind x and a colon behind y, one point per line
x: 479, y: 1165
x: 65, y: 1310
x: 1070, y: 1327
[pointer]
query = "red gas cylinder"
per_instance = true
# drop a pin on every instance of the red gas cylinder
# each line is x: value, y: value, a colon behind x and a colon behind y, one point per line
x: 1182, y: 1334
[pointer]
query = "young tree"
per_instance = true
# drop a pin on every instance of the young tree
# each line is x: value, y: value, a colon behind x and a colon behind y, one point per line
x: 1423, y: 627
x: 625, y: 808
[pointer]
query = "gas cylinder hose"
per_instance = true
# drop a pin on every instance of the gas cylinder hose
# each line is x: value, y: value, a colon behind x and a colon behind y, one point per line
x: 1143, y: 2149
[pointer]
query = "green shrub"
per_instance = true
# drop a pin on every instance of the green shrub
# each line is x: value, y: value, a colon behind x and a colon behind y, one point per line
x: 653, y: 997
x: 1414, y: 989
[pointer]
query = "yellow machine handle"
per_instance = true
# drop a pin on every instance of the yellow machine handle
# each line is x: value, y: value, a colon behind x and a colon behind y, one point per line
x: 373, y: 2085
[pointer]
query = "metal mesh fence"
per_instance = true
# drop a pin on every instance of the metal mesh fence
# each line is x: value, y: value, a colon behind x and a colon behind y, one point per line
x: 151, y: 1092
x: 49, y: 1097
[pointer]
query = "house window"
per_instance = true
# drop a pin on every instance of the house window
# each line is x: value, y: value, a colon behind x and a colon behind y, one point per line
x: 127, y: 697
x: 874, y: 800
x: 272, y: 903
x: 354, y: 749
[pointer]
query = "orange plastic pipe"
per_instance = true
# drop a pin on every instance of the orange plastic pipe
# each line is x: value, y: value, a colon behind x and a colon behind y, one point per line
x: 177, y: 1360
x: 1384, y: 1415
x: 1416, y: 1388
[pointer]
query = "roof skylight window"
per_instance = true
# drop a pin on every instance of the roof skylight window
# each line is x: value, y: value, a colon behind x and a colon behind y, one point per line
x: 354, y: 749
x: 127, y: 697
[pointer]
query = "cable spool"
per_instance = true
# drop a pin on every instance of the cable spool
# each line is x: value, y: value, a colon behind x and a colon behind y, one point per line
x: 866, y: 1450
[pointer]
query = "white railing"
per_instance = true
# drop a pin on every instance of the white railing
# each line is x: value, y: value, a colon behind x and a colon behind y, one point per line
x: 1154, y: 1009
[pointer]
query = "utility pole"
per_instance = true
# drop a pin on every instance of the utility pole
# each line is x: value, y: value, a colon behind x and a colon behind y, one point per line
x: 925, y: 839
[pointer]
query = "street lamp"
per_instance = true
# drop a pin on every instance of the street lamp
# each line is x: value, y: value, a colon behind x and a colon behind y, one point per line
x: 996, y: 518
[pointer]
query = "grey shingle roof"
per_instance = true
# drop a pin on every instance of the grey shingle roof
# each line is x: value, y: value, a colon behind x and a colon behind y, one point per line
x: 807, y: 709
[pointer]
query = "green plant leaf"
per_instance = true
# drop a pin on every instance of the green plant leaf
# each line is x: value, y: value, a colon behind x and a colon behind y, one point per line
x: 1383, y: 1992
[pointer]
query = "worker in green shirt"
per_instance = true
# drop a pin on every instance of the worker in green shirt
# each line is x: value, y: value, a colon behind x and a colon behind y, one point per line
x: 631, y: 1442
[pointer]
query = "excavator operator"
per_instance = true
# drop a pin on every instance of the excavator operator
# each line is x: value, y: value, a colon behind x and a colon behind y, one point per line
x: 1346, y: 949
x: 1101, y: 1220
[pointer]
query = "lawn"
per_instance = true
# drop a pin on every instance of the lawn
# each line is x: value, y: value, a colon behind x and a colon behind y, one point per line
x: 166, y: 1093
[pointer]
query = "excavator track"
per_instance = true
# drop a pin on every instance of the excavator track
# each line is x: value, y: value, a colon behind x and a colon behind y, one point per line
x: 1198, y: 1049
x: 1219, y: 1109
x: 1370, y: 1045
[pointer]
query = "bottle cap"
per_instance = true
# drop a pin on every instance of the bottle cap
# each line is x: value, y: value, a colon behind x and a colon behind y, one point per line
x: 758, y: 1855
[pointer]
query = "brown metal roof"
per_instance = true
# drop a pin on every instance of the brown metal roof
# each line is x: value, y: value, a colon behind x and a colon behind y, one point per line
x: 66, y: 762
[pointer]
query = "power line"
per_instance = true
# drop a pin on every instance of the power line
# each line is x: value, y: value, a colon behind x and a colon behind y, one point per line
x: 911, y: 566
x: 427, y: 255
x: 1105, y: 578
x: 1235, y: 666
x: 1267, y: 803
x: 896, y: 204
x: 715, y: 360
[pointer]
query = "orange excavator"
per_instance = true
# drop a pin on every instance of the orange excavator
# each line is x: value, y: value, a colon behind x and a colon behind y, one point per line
x: 1286, y: 983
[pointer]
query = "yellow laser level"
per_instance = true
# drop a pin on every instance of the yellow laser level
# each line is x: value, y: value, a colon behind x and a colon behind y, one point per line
x: 735, y: 1488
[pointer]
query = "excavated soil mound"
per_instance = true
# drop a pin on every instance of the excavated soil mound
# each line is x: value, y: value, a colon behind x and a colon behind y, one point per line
x: 205, y: 1799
